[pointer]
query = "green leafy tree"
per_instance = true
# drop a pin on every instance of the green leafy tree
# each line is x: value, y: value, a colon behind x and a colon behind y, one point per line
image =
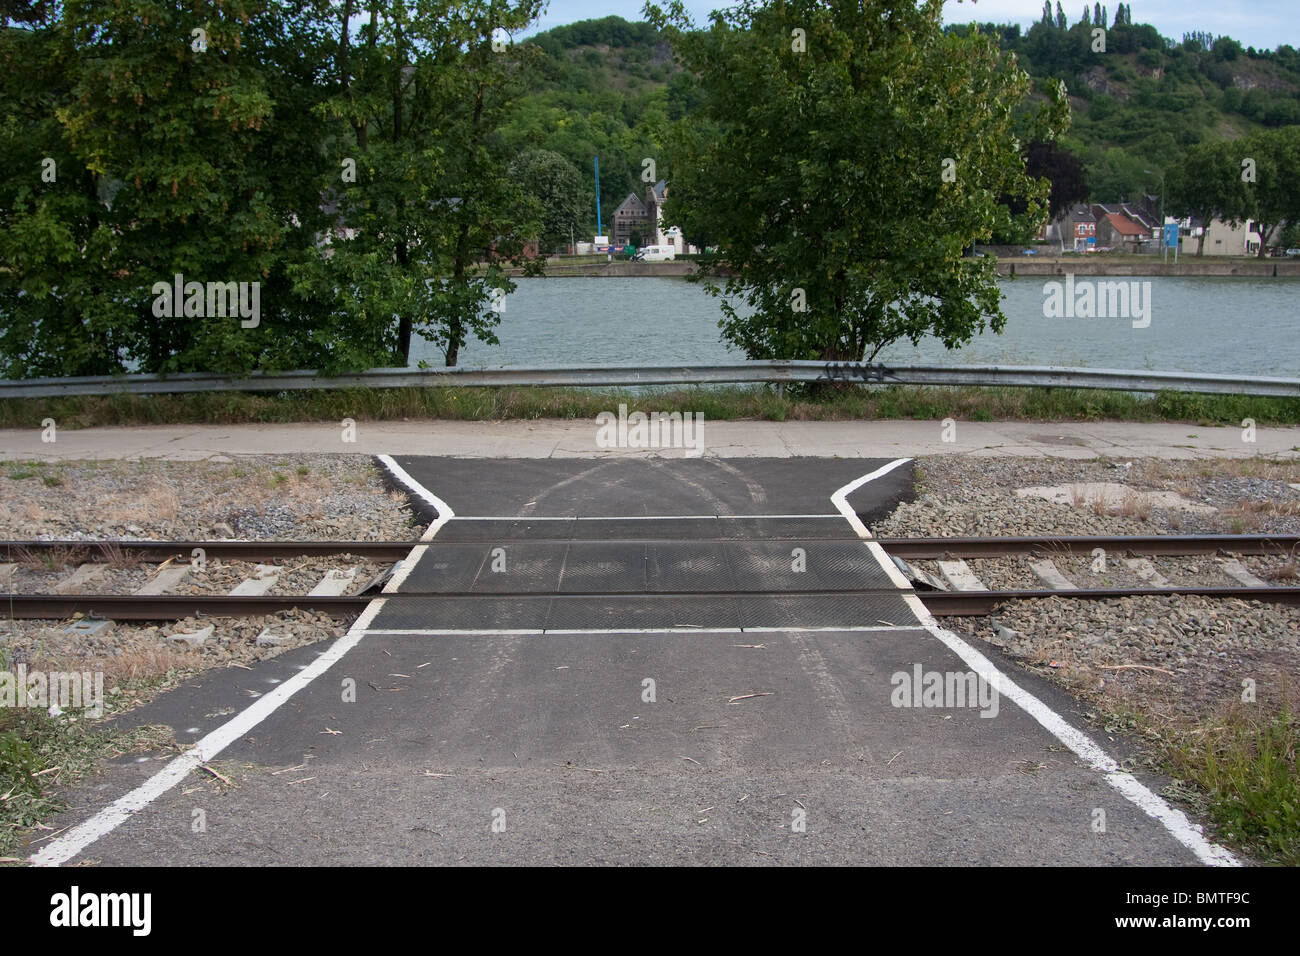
x: 1274, y: 196
x: 1206, y: 185
x: 848, y: 179
x: 424, y: 92
x: 557, y: 185
x: 155, y: 124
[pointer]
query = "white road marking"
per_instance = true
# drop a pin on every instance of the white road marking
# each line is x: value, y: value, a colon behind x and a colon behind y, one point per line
x: 627, y: 517
x: 111, y: 817
x: 548, y: 632
x: 1175, y: 821
x: 445, y: 514
x: 115, y: 814
x: 840, y: 500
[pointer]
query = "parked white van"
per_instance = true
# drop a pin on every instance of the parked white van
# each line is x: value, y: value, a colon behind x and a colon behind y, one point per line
x: 657, y: 253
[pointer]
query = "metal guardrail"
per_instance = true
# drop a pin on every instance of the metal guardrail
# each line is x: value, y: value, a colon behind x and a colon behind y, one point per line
x: 1126, y: 380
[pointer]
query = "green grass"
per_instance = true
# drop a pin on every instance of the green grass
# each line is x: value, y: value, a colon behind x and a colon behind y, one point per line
x: 1246, y: 765
x: 798, y: 403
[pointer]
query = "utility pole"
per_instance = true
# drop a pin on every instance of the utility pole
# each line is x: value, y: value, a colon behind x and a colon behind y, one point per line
x: 599, y: 230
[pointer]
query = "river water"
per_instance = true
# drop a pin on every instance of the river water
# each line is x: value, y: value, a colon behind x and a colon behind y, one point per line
x: 1246, y: 326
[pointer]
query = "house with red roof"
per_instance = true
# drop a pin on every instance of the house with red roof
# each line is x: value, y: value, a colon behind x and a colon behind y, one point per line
x: 1119, y: 231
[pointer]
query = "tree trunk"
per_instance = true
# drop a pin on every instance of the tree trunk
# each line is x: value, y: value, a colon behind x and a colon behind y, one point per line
x: 455, y: 327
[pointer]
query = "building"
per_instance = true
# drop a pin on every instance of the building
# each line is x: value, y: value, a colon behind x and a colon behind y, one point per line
x: 1120, y: 230
x: 1075, y: 230
x: 629, y: 219
x: 1221, y: 238
x: 645, y: 219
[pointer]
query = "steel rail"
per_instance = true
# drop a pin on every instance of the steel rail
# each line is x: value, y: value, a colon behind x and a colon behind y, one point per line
x: 980, y: 603
x: 232, y: 550
x: 1172, y: 545
x: 933, y: 548
x: 170, y: 607
x: 132, y: 607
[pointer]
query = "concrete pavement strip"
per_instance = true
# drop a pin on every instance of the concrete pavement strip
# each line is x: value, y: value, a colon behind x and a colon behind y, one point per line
x: 723, y: 439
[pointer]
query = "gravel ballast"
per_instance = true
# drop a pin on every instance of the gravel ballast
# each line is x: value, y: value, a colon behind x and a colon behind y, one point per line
x: 290, y: 497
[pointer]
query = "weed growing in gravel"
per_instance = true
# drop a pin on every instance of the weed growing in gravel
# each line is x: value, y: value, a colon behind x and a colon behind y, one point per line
x: 51, y: 559
x: 1247, y: 764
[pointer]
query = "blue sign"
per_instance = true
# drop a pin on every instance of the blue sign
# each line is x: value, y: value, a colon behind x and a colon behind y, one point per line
x: 1171, y: 234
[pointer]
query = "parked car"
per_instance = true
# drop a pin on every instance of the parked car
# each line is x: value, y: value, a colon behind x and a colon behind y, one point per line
x: 657, y: 254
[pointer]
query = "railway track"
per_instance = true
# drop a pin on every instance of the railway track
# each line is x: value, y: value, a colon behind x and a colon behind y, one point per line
x: 956, y: 591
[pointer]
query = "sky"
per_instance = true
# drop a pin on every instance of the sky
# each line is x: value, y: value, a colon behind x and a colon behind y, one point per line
x: 1263, y: 24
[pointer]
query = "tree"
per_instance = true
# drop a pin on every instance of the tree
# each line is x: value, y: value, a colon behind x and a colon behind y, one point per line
x: 424, y: 94
x: 1206, y: 185
x: 848, y: 179
x: 553, y: 181
x: 1060, y: 16
x: 156, y: 123
x: 1062, y: 169
x: 1274, y: 197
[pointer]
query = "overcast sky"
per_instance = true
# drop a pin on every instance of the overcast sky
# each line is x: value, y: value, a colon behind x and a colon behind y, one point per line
x: 1264, y: 24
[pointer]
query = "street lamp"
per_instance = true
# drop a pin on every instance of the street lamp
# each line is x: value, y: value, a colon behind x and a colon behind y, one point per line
x: 1164, y: 246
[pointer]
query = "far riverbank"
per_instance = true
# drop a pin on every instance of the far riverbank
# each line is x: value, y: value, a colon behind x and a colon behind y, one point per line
x: 1023, y: 266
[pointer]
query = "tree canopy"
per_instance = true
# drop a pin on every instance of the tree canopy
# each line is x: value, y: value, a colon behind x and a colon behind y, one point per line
x: 860, y: 151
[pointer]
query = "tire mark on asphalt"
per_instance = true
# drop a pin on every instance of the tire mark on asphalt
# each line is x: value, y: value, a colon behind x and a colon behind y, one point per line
x: 829, y: 693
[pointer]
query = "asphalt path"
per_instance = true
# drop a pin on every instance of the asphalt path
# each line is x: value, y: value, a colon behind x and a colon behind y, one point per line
x: 688, y: 661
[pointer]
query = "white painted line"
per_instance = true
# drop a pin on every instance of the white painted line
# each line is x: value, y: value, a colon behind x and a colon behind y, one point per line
x: 1144, y: 569
x: 853, y: 628
x: 399, y: 473
x: 445, y: 514
x: 111, y: 817
x: 1050, y: 575
x: 539, y: 632
x: 960, y: 576
x: 630, y: 517
x: 404, y: 569
x: 841, y: 503
x: 1240, y: 573
x: 115, y: 814
x: 1174, y: 821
